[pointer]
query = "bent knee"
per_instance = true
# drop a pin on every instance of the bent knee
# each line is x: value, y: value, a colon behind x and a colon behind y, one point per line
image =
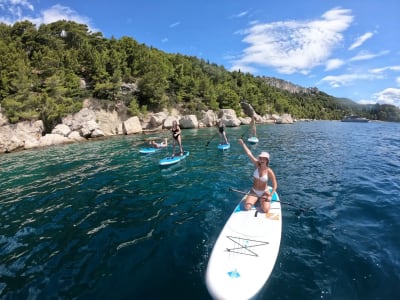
x: 248, y: 206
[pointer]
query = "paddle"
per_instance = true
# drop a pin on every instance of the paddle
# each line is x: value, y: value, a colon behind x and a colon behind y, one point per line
x: 211, y: 139
x: 287, y: 203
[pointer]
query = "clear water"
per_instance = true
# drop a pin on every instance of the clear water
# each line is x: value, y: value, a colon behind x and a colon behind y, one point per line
x: 97, y: 220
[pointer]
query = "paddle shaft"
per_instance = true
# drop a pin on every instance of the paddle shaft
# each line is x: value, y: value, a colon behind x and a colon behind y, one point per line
x: 211, y: 139
x: 287, y: 203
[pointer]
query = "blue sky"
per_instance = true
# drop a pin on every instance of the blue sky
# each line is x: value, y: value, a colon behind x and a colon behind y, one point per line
x: 346, y: 48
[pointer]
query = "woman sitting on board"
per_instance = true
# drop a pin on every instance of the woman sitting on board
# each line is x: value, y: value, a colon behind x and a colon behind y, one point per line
x: 162, y: 144
x: 176, y: 138
x: 261, y: 175
x: 221, y: 131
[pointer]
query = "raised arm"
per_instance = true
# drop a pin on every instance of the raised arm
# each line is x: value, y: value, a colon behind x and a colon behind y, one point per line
x: 248, y: 152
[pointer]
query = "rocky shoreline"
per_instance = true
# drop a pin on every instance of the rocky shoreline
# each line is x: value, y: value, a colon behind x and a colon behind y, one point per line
x: 93, y: 122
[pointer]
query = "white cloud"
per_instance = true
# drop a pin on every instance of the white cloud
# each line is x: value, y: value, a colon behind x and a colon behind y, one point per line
x: 18, y: 10
x: 389, y: 96
x: 295, y: 46
x: 388, y: 68
x: 12, y: 4
x: 59, y: 12
x: 243, y: 68
x: 366, y: 101
x: 398, y: 80
x: 241, y: 14
x: 333, y: 64
x: 347, y: 79
x: 360, y: 40
x: 365, y: 55
x: 174, y: 24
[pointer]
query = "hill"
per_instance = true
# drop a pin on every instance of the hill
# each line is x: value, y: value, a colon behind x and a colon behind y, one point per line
x: 46, y: 72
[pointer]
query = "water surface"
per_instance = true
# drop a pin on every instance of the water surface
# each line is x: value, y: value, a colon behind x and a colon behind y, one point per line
x: 97, y: 220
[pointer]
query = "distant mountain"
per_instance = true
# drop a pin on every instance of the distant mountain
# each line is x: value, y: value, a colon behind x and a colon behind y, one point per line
x: 288, y: 86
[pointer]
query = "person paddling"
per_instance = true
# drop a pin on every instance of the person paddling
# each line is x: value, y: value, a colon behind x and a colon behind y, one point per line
x: 253, y: 127
x: 261, y: 175
x: 221, y: 131
x: 176, y: 138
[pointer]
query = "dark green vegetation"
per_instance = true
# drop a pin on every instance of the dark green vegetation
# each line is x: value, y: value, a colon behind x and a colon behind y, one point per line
x: 46, y: 72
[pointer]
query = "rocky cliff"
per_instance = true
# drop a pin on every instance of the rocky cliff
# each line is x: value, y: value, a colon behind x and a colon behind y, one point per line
x: 288, y: 86
x: 95, y: 121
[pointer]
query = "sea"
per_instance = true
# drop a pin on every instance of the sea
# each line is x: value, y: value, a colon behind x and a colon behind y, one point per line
x: 99, y: 220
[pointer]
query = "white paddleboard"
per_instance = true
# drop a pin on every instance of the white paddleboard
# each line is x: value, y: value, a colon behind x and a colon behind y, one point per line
x: 148, y: 150
x: 224, y: 146
x: 245, y: 252
x: 253, y: 140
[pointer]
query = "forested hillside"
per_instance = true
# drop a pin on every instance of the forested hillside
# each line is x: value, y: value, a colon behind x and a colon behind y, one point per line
x: 46, y: 72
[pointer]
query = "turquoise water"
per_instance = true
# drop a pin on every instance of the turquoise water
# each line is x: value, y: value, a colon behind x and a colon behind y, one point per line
x: 97, y: 220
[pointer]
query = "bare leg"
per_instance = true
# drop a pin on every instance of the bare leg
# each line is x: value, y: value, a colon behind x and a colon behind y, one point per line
x: 249, y: 202
x: 226, y: 140
x: 173, y: 147
x: 180, y: 144
x: 265, y: 203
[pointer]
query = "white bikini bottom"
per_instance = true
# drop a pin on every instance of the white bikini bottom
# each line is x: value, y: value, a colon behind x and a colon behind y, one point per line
x: 259, y: 193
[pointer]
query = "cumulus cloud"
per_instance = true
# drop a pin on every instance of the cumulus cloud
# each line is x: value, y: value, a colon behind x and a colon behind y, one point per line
x: 17, y: 10
x: 59, y: 12
x: 360, y: 40
x: 389, y: 96
x: 294, y: 46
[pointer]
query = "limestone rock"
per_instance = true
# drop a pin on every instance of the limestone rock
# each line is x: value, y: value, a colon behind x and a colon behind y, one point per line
x: 61, y: 129
x: 209, y: 118
x: 53, y: 139
x: 132, y: 125
x: 168, y: 121
x: 229, y: 118
x: 189, y: 122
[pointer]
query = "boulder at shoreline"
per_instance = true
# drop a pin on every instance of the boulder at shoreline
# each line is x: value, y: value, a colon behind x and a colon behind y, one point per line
x: 94, y: 122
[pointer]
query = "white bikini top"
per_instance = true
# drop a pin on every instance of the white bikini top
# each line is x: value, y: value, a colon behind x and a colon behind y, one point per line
x: 263, y: 178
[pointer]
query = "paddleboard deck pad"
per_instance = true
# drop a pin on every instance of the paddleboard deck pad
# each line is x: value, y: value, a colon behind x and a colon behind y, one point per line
x: 170, y: 160
x: 245, y: 252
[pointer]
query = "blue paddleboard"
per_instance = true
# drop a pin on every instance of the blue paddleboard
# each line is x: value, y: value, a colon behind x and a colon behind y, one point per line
x: 224, y: 146
x: 170, y: 160
x: 148, y: 150
x: 253, y: 140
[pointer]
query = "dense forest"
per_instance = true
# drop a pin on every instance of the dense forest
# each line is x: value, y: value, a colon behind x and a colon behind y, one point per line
x: 46, y: 72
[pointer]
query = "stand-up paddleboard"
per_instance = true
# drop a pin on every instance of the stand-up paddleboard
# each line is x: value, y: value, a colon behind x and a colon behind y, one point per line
x: 170, y: 160
x: 245, y: 252
x: 253, y: 140
x: 224, y: 146
x: 149, y: 150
